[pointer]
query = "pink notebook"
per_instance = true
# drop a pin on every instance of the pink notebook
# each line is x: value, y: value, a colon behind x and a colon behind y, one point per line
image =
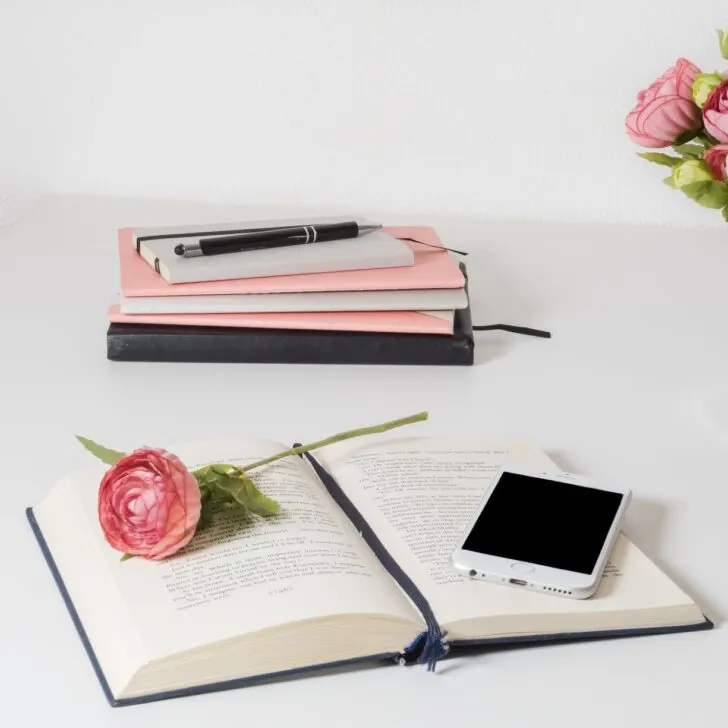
x: 432, y: 269
x: 401, y: 322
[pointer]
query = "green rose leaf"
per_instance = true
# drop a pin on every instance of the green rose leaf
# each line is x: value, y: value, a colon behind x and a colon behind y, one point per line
x: 243, y: 491
x: 213, y: 475
x: 711, y: 194
x: 102, y: 453
x: 206, y: 509
x: 694, y: 178
x: 689, y: 151
x: 225, y: 470
x: 669, y: 181
x: 658, y: 158
x: 126, y: 557
x: 686, y: 136
x: 725, y: 213
x: 723, y: 43
x: 231, y: 484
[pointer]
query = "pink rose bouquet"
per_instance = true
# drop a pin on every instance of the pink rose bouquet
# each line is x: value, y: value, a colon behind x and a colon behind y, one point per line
x: 687, y: 110
x: 151, y: 505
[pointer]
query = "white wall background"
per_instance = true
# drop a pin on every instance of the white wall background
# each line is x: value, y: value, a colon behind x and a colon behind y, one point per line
x: 462, y: 107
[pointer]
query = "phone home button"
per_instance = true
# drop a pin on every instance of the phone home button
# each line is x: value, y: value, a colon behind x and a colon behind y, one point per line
x: 522, y: 568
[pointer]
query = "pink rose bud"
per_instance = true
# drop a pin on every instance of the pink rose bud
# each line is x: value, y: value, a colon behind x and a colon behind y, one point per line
x: 666, y: 109
x: 715, y: 112
x: 149, y: 504
x: 715, y: 159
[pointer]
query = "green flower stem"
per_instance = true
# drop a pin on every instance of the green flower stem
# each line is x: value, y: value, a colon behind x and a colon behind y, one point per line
x: 376, y: 429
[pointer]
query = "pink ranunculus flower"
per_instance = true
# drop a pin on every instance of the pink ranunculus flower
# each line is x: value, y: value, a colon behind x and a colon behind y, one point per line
x: 715, y: 158
x: 666, y: 109
x: 149, y: 504
x: 715, y: 112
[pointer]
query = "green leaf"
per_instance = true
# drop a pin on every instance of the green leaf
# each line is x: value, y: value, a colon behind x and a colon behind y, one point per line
x: 231, y: 485
x: 708, y: 193
x: 244, y: 492
x: 725, y: 213
x: 216, y: 473
x: 686, y: 137
x: 669, y: 181
x: 102, y: 453
x: 203, y: 475
x: 690, y: 151
x: 657, y: 158
x: 126, y: 557
x: 224, y: 469
x: 723, y: 43
x: 206, y: 510
x: 705, y: 139
x: 241, y: 491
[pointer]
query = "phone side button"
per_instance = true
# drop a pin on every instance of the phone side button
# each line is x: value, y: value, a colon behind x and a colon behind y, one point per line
x: 522, y: 568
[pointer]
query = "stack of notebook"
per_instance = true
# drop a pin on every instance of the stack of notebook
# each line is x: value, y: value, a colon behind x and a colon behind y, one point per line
x: 394, y: 296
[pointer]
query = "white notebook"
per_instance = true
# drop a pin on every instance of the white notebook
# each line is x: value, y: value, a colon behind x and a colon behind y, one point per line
x: 375, y: 250
x: 443, y: 299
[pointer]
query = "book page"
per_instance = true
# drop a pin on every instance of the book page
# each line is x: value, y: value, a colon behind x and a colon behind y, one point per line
x: 243, y: 574
x: 419, y: 495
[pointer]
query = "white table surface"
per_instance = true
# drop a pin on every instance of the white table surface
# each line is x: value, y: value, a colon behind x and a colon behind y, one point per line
x: 633, y: 388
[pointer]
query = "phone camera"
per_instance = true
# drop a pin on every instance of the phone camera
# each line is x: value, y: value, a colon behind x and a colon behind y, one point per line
x: 472, y: 572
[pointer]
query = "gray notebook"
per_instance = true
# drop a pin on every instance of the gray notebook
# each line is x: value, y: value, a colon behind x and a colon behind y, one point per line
x: 375, y: 250
x: 436, y: 299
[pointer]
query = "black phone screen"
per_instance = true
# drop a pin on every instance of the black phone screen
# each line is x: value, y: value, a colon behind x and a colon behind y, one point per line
x: 544, y: 522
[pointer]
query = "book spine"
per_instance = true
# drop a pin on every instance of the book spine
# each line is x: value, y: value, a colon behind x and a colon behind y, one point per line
x: 429, y: 646
x: 137, y: 342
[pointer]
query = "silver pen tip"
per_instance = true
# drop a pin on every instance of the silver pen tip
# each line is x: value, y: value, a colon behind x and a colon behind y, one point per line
x: 369, y: 228
x: 191, y: 250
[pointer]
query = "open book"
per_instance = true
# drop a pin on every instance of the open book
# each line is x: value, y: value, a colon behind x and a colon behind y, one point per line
x: 356, y: 568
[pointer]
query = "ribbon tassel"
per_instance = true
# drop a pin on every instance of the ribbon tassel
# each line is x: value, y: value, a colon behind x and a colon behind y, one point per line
x: 435, y: 649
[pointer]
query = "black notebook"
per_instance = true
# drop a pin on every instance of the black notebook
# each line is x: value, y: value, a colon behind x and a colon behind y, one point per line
x: 145, y: 342
x: 150, y: 343
x: 155, y: 343
x: 354, y: 570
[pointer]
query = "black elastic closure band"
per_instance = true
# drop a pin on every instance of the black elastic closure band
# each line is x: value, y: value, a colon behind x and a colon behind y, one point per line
x: 432, y: 245
x: 514, y: 330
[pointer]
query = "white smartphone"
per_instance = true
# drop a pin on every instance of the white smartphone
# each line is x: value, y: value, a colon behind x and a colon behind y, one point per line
x: 549, y: 532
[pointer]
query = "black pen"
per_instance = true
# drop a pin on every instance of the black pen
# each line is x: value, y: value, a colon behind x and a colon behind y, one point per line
x: 274, y: 238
